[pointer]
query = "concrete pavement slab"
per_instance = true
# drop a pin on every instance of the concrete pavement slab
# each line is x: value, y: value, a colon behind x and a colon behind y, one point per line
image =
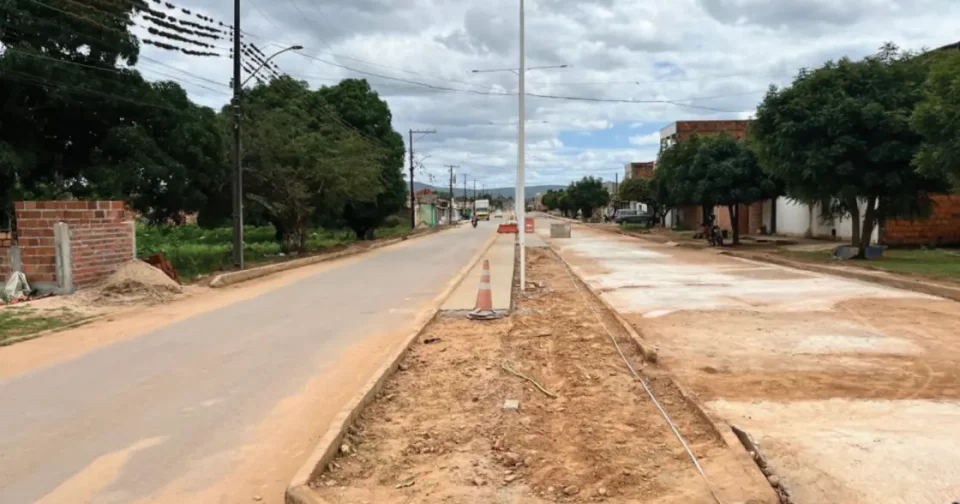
x: 501, y: 257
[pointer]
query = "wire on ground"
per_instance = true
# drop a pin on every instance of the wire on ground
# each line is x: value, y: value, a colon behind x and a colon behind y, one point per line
x: 673, y: 427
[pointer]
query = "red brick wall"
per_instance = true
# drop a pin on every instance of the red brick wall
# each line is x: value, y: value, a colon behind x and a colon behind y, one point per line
x: 641, y: 170
x: 755, y: 221
x: 6, y: 241
x: 99, y: 248
x: 101, y: 238
x: 723, y: 219
x: 736, y: 129
x: 943, y: 226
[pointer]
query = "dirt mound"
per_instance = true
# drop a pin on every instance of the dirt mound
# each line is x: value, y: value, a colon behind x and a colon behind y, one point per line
x: 137, y: 282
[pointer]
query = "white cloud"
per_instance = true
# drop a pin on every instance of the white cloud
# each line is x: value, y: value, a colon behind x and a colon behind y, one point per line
x: 646, y: 140
x: 724, y: 52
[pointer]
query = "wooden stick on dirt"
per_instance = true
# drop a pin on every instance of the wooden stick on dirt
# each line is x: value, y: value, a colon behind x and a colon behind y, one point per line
x: 512, y: 371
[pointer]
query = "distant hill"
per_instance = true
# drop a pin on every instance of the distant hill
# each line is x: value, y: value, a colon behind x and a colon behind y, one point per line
x: 506, y: 192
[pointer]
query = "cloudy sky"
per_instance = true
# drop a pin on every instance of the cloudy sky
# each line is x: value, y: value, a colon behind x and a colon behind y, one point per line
x: 712, y: 59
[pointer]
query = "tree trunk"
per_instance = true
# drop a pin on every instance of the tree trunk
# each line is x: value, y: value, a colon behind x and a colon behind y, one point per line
x: 869, y: 218
x: 855, y: 215
x: 294, y: 240
x: 734, y: 222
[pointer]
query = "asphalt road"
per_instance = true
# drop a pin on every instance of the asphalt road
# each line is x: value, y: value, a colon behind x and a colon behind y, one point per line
x: 183, y: 406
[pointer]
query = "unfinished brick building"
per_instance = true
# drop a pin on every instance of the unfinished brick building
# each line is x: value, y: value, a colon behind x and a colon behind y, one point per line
x: 64, y: 245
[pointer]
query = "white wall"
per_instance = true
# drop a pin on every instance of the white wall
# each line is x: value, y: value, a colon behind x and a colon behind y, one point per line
x: 767, y: 206
x: 797, y: 219
x: 793, y: 218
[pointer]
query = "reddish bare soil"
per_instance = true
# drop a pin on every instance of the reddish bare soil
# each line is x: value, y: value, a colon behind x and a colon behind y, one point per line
x: 850, y: 388
x: 438, y: 431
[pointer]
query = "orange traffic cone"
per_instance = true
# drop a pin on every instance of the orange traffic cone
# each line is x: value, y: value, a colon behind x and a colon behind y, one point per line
x: 484, y: 306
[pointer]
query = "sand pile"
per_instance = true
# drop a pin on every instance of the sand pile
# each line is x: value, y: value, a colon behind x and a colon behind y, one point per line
x: 137, y: 282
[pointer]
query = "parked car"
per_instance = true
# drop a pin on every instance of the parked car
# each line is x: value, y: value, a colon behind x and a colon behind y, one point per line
x: 626, y: 216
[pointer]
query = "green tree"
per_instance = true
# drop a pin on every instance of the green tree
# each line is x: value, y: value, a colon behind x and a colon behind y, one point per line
x: 841, y: 133
x: 937, y: 118
x: 62, y: 90
x: 587, y: 195
x: 729, y: 175
x: 551, y: 199
x: 361, y: 108
x: 169, y: 163
x: 642, y: 190
x: 78, y: 124
x: 300, y: 164
x: 675, y: 183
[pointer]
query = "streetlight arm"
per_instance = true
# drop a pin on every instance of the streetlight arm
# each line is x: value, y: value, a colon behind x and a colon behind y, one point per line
x: 516, y: 71
x: 274, y: 55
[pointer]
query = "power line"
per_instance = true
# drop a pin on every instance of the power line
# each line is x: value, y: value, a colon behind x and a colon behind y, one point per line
x: 331, y: 114
x: 139, y: 56
x: 657, y: 81
x: 533, y: 95
x: 103, y: 69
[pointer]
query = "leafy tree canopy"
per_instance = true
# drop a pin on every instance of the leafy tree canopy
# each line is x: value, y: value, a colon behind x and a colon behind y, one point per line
x: 713, y: 171
x: 587, y: 195
x: 361, y: 108
x: 842, y: 133
x: 301, y: 165
x: 937, y: 118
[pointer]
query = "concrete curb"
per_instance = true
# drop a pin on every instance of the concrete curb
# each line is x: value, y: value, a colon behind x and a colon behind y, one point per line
x: 299, y: 490
x: 889, y: 280
x: 235, y: 277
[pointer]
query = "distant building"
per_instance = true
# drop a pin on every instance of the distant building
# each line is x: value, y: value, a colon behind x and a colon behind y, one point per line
x: 683, y: 130
x: 641, y: 170
x: 691, y: 217
x: 611, y: 188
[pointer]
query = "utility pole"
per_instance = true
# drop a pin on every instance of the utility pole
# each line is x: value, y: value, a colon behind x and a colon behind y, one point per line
x: 236, y: 179
x: 465, y: 191
x: 521, y: 155
x: 413, y: 198
x: 453, y: 180
x: 474, y: 189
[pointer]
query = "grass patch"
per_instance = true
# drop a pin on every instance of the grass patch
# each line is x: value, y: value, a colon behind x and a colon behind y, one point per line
x: 933, y: 262
x: 634, y: 228
x: 16, y: 322
x: 195, y: 251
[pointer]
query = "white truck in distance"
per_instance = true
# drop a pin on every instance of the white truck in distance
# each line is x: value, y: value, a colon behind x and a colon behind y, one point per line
x: 482, y: 207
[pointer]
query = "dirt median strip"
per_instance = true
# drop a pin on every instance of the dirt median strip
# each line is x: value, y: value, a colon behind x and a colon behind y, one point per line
x: 299, y: 490
x: 453, y: 427
x: 235, y: 277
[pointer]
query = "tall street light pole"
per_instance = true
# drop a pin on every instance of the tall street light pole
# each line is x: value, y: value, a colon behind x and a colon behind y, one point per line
x: 236, y: 178
x: 413, y: 197
x: 520, y: 192
x: 521, y: 154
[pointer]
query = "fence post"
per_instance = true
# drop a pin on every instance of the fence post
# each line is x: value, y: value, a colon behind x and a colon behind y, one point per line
x: 61, y: 240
